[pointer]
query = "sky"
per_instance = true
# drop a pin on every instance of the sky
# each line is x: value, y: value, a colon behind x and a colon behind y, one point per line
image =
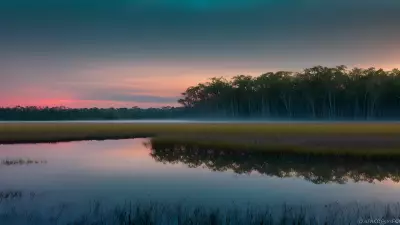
x: 125, y: 53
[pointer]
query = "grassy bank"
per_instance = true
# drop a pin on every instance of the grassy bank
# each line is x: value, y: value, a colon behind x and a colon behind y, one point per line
x: 21, y: 132
x: 372, y: 139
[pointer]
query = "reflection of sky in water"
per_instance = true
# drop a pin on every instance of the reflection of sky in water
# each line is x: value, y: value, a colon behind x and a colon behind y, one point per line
x: 123, y: 170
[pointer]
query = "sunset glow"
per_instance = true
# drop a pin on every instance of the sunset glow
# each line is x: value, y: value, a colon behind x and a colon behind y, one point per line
x: 132, y: 53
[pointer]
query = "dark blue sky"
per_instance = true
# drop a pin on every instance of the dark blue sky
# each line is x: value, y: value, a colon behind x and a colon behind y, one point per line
x: 64, y: 47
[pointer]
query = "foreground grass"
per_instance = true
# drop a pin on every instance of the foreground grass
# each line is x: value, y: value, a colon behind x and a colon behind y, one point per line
x: 181, y: 214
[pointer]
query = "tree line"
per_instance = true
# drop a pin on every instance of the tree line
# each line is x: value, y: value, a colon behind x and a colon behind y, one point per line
x: 314, y: 93
x: 63, y: 113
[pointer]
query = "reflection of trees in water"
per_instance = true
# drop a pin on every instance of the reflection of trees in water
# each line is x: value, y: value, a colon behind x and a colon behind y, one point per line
x: 21, y: 161
x: 316, y: 169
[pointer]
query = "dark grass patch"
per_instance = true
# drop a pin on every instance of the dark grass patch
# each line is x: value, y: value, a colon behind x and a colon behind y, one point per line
x: 20, y: 161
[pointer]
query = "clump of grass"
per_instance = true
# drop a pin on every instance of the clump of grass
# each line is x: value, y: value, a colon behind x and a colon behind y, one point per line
x: 7, y: 195
x: 21, y: 161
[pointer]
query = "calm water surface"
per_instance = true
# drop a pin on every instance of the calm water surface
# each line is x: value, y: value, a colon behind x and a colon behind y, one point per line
x: 115, y: 171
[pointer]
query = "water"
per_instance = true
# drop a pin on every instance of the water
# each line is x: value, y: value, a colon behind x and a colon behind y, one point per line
x: 116, y: 171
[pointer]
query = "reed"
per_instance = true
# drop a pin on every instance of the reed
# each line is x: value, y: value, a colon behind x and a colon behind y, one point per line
x: 181, y: 214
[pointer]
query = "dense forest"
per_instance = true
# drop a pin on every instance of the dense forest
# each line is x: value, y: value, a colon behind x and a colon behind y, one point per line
x: 314, y: 93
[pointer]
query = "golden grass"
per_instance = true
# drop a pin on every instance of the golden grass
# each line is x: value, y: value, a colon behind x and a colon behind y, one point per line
x: 227, y: 136
x: 42, y: 132
x: 224, y: 136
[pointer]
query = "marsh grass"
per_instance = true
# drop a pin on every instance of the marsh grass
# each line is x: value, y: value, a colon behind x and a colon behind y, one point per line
x: 48, y: 132
x: 10, y: 195
x: 7, y: 196
x: 373, y: 140
x: 154, y: 213
x: 20, y: 161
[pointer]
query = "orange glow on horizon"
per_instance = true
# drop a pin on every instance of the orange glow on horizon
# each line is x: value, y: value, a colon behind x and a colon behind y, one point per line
x: 169, y: 82
x: 90, y: 85
x: 76, y: 103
